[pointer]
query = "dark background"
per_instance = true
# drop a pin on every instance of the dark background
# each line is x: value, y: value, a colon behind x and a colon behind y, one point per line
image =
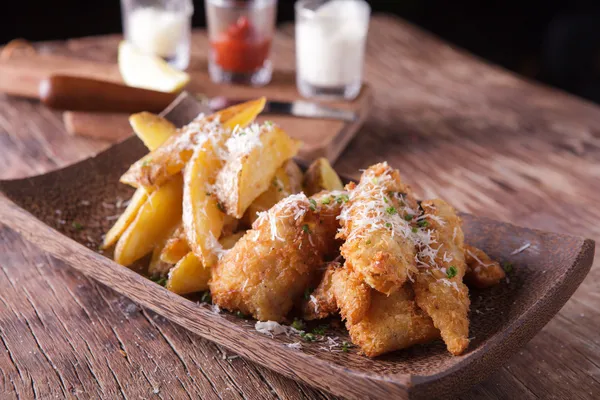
x: 556, y: 42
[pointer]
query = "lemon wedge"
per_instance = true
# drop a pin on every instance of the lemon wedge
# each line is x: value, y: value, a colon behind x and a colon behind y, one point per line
x: 148, y: 71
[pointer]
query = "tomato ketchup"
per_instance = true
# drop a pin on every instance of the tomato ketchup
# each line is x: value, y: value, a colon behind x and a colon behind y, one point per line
x: 241, y: 48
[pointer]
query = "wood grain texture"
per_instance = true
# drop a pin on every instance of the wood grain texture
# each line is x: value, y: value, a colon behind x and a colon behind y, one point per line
x: 489, y: 142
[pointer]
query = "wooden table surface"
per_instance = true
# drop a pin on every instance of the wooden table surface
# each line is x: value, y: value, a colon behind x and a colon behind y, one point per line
x: 488, y: 141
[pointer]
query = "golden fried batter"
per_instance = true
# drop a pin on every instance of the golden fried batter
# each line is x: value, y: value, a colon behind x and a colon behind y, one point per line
x: 391, y: 322
x: 375, y: 226
x: 269, y: 269
x: 439, y: 288
x: 321, y: 302
x: 352, y: 295
x: 482, y: 271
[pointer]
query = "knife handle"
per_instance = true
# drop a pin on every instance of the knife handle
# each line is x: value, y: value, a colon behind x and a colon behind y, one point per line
x: 84, y: 94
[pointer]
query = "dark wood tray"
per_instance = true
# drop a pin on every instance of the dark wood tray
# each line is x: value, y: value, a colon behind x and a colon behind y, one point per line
x: 47, y: 210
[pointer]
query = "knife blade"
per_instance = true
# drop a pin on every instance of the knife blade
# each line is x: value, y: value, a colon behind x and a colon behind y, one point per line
x: 73, y: 93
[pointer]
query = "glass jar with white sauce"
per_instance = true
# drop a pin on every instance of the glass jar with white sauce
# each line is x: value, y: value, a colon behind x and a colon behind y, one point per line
x: 330, y: 47
x: 160, y: 27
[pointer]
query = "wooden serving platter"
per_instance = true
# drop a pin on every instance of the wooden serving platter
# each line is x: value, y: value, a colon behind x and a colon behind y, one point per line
x: 48, y: 210
x: 21, y: 74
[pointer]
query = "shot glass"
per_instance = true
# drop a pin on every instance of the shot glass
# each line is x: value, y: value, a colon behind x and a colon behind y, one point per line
x: 240, y: 35
x: 330, y: 47
x: 160, y: 27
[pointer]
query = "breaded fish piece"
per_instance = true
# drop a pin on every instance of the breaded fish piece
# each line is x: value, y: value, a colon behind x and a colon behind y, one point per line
x: 321, y: 302
x: 352, y: 295
x: 482, y: 272
x: 271, y: 266
x: 375, y: 224
x: 439, y: 288
x: 391, y: 323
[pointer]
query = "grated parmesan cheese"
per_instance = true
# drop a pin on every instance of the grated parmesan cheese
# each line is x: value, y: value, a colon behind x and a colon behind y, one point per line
x: 521, y: 249
x: 272, y: 328
x: 294, y: 206
x: 295, y: 345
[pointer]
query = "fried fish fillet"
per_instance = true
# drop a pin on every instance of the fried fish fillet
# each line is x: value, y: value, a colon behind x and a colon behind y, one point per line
x: 376, y: 229
x: 378, y: 323
x: 321, y: 302
x: 482, y: 272
x: 439, y: 288
x: 270, y: 267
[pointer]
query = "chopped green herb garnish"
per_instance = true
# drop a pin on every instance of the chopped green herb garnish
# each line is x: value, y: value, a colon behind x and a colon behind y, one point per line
x: 388, y: 225
x: 326, y: 200
x: 369, y: 241
x: 309, y: 337
x: 408, y: 217
x: 385, y: 200
x: 146, y: 162
x: 77, y: 225
x: 342, y: 198
x: 423, y: 223
x: 269, y: 123
x: 375, y: 181
x: 346, y: 346
x: 206, y: 297
x: 220, y: 206
x: 240, y: 314
x: 414, y: 229
x: 161, y: 280
x: 298, y: 324
x: 306, y: 229
x: 507, y: 267
x: 320, y: 330
x: 391, y: 210
x: 308, y: 292
x: 313, y: 204
x: 451, y: 272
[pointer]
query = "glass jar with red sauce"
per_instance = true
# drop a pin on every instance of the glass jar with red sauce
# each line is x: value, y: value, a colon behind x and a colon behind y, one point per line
x: 240, y: 35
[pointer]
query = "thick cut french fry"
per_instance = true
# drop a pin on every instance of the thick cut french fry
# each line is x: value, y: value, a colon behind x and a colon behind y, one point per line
x: 249, y: 172
x: 287, y: 180
x: 154, y: 222
x: 176, y: 248
x: 157, y: 167
x: 321, y: 176
x: 190, y: 275
x: 152, y: 129
x: 203, y: 216
x: 139, y: 198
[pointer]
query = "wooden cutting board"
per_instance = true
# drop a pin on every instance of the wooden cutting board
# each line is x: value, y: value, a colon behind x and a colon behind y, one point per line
x: 21, y: 74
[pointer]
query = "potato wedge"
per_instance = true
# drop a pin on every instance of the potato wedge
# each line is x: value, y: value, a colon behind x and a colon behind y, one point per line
x: 154, y: 222
x: 152, y: 170
x: 241, y: 114
x: 287, y: 180
x: 252, y: 165
x: 176, y: 247
x: 190, y: 275
x: 157, y: 266
x: 152, y: 129
x: 203, y: 216
x: 135, y: 203
x: 321, y: 176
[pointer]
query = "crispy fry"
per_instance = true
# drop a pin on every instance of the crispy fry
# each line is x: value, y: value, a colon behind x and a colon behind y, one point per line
x: 189, y: 275
x: 321, y: 176
x: 374, y: 222
x: 203, y: 216
x: 135, y: 203
x: 482, y: 272
x: 254, y: 155
x: 152, y: 129
x: 287, y: 180
x: 271, y: 266
x: 171, y: 157
x: 392, y: 323
x: 154, y: 223
x: 439, y: 287
x: 175, y: 248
